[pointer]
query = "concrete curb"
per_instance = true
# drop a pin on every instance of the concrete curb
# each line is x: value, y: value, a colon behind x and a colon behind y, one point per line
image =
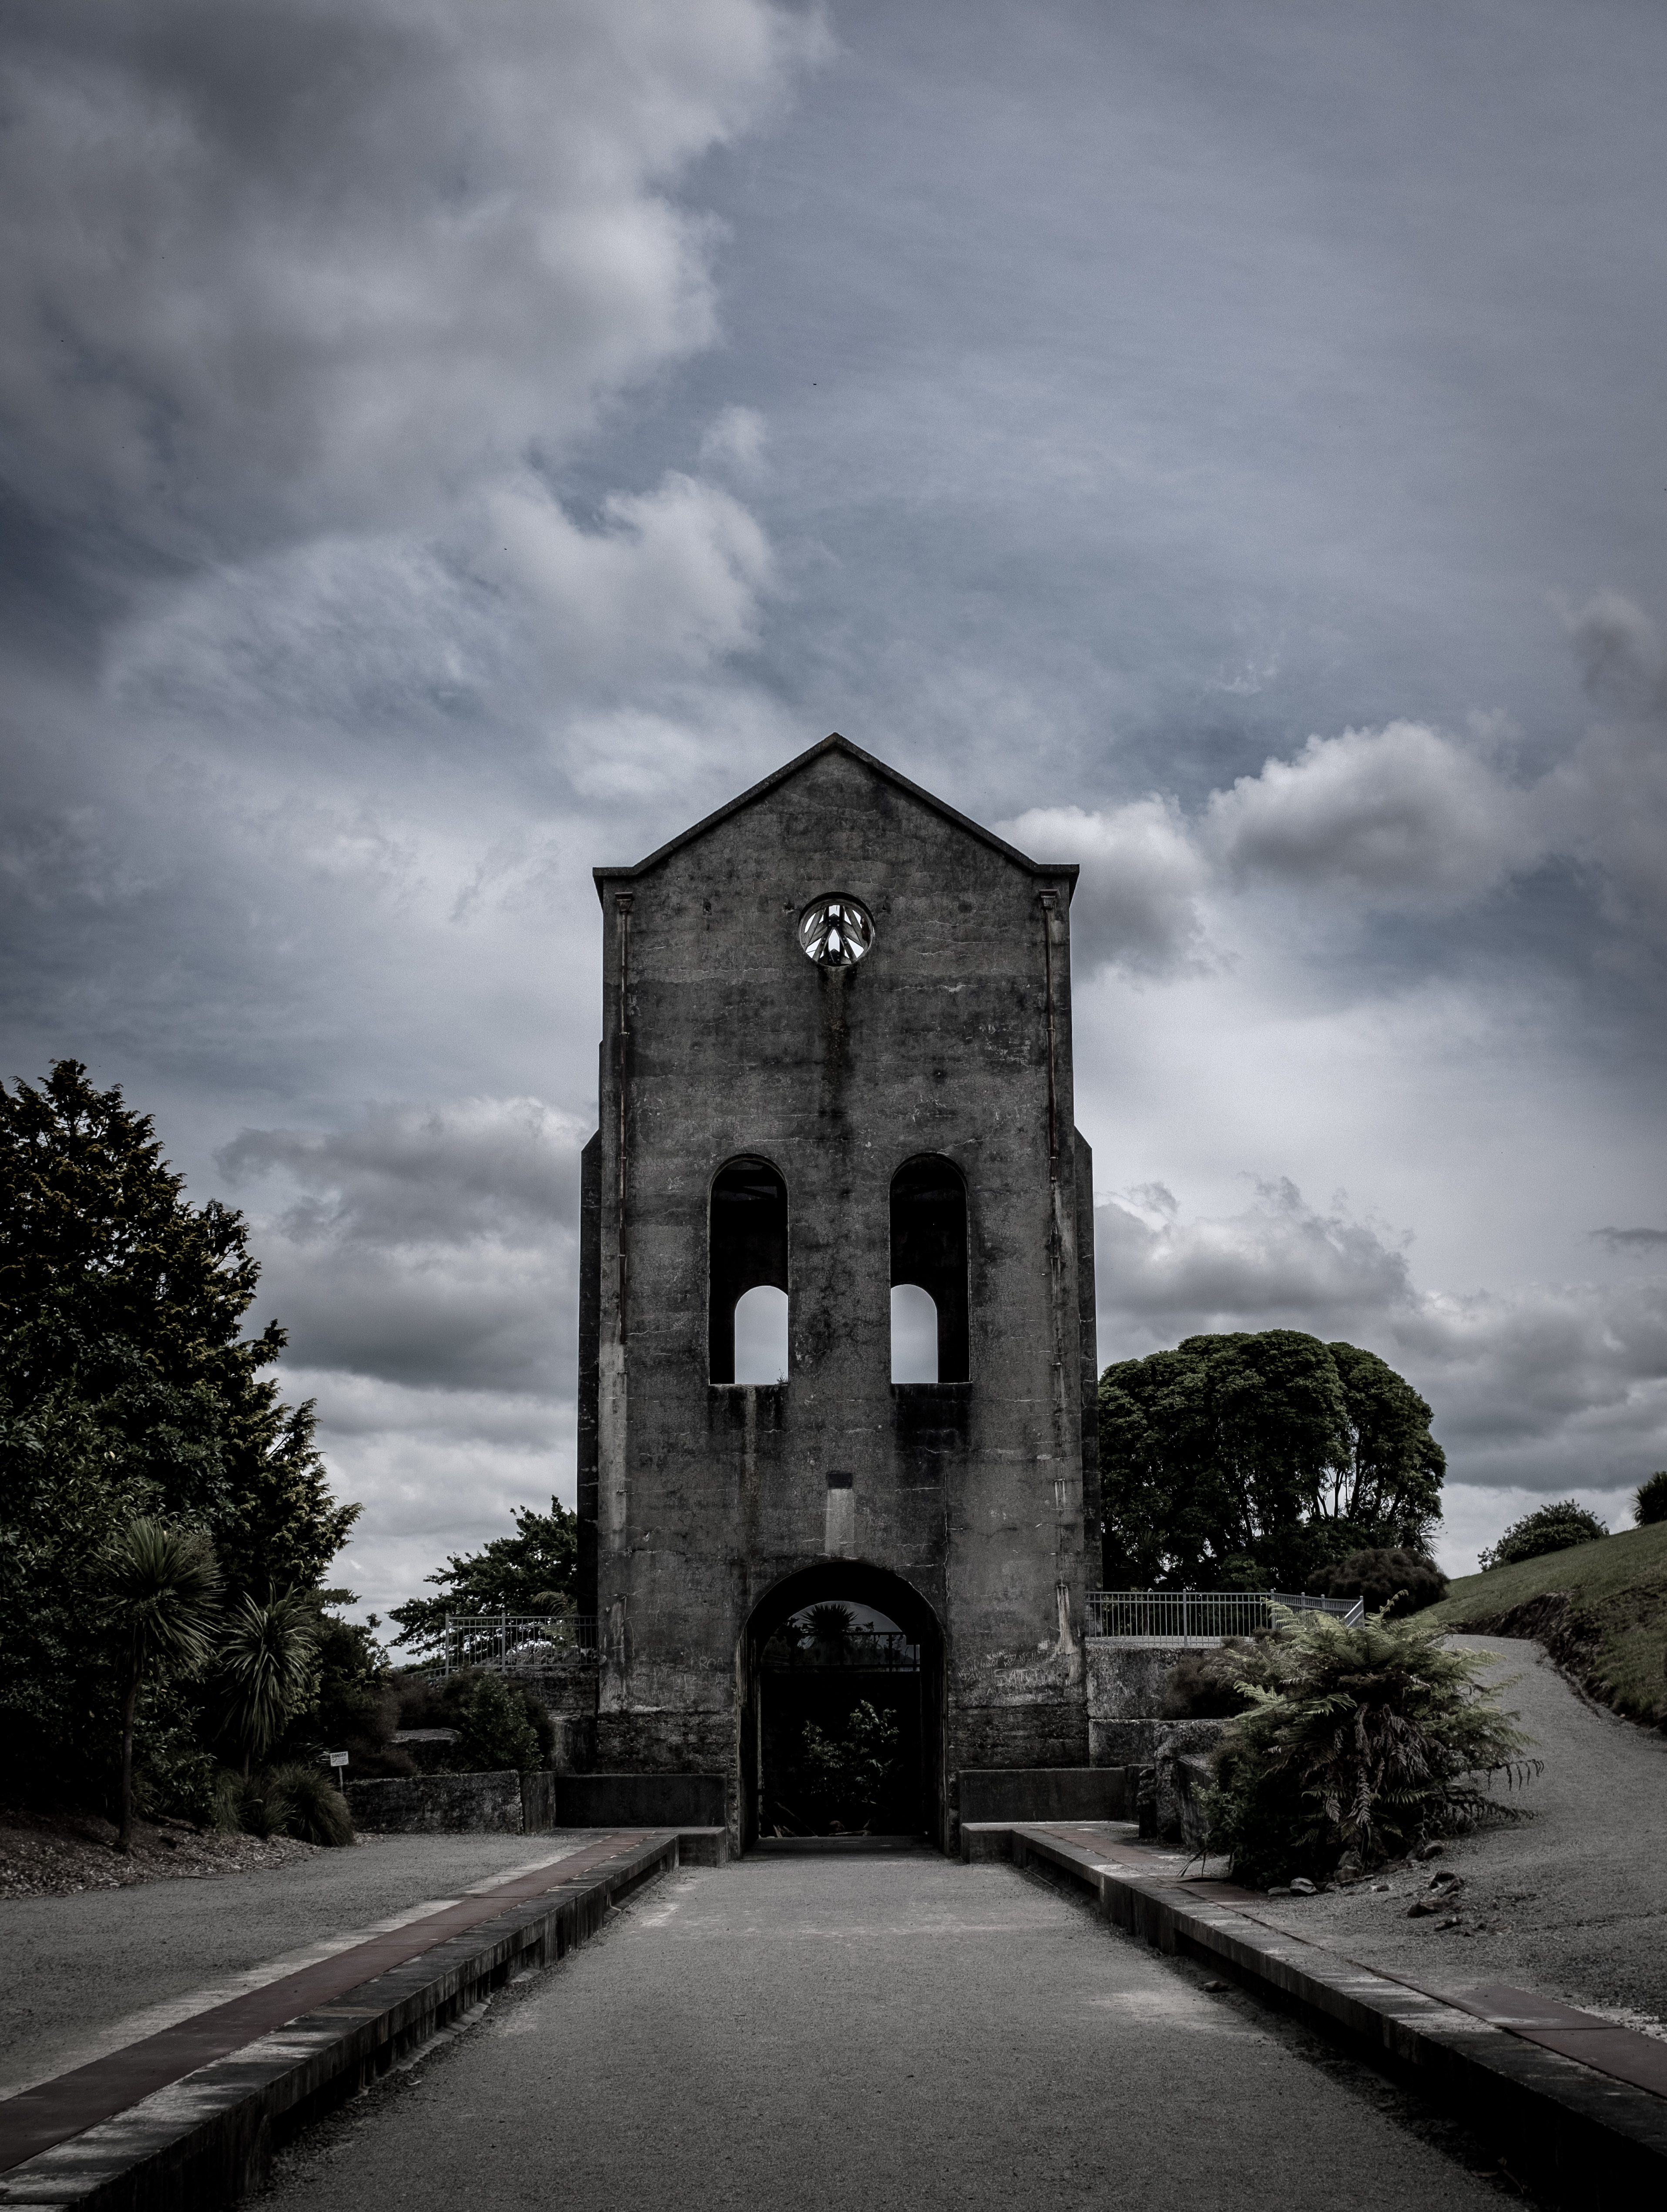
x: 1568, y: 2132
x: 208, y: 2137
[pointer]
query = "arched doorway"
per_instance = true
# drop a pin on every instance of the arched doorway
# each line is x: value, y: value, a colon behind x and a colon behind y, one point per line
x: 854, y: 1655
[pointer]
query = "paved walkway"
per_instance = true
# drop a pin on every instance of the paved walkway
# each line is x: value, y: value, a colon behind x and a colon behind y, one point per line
x: 875, y: 2034
x: 87, y: 1975
x: 1571, y: 1904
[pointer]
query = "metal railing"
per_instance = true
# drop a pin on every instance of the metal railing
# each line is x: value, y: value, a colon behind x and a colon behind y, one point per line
x: 1189, y: 1616
x: 501, y: 1641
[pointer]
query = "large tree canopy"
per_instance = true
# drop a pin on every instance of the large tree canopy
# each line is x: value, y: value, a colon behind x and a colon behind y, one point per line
x: 1245, y: 1460
x: 127, y: 1388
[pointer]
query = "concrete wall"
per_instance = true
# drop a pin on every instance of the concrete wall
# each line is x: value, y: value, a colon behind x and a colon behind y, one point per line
x: 423, y: 1804
x: 721, y: 1039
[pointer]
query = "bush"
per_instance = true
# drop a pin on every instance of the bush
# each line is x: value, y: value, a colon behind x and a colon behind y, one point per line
x: 1404, y: 1581
x: 1208, y: 1686
x: 1556, y: 1527
x: 490, y: 1720
x: 1651, y: 1502
x: 1376, y: 1737
x: 297, y: 1801
x: 494, y: 1729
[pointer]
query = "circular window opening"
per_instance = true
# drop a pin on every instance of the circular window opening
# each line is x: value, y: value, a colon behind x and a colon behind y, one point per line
x: 836, y: 931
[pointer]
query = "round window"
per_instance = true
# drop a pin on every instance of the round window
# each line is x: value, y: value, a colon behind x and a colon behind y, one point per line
x: 836, y: 931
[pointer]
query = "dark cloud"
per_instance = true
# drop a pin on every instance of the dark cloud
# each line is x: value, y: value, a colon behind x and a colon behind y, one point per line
x: 1631, y: 1240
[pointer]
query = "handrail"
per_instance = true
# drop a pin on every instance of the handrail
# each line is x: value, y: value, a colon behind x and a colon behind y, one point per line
x: 498, y: 1641
x: 1186, y: 1616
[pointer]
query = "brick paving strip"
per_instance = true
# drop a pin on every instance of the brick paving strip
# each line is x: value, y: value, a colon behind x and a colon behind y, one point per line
x: 50, y: 2113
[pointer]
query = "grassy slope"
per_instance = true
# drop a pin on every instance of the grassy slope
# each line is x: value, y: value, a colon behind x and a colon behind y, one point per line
x: 1618, y: 1590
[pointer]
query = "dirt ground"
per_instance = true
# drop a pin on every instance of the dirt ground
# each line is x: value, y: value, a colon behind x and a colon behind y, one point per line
x: 61, y: 1854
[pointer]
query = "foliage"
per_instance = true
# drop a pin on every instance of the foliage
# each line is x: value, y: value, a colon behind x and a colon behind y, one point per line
x: 1210, y: 1684
x: 1370, y: 1739
x: 1615, y: 1613
x: 127, y: 1390
x: 1242, y: 1461
x: 266, y: 1668
x: 494, y: 1730
x: 1402, y: 1581
x: 292, y: 1800
x: 852, y: 1771
x: 495, y: 1719
x: 535, y: 1572
x: 1650, y: 1504
x: 355, y: 1704
x: 1557, y: 1528
x: 161, y: 1598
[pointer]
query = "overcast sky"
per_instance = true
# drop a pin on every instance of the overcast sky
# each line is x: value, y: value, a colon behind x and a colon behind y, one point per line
x: 446, y: 447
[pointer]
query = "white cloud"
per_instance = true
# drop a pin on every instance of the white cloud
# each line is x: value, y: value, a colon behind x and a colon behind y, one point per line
x: 1406, y: 815
x: 1136, y: 902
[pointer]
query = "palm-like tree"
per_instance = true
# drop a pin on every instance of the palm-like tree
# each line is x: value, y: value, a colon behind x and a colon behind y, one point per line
x: 266, y: 1655
x: 163, y: 1586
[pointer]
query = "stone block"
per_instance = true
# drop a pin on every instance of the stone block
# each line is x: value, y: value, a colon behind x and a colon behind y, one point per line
x: 641, y: 1800
x: 439, y: 1804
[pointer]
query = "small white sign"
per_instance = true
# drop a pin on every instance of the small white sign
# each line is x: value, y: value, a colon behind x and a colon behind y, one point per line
x: 338, y: 1758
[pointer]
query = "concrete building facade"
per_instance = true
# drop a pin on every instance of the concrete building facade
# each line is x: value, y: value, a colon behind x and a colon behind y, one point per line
x: 835, y: 1059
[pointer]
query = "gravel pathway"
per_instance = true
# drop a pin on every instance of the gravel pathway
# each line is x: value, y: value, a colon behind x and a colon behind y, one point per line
x: 86, y: 1974
x: 1571, y: 1904
x: 892, y: 2034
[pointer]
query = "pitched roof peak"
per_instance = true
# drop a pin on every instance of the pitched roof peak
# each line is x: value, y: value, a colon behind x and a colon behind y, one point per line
x: 836, y: 744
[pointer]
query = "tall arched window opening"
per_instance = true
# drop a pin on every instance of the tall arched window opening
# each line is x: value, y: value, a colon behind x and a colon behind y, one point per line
x: 749, y: 1252
x: 929, y: 1250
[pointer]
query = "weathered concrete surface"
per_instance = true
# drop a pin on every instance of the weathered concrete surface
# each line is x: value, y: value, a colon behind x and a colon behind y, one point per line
x: 1126, y: 1679
x: 893, y: 2033
x: 1571, y: 1904
x: 86, y: 1974
x: 969, y: 1505
x: 1046, y: 1793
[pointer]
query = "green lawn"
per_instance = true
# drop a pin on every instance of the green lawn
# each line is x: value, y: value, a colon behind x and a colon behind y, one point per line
x: 1618, y: 1592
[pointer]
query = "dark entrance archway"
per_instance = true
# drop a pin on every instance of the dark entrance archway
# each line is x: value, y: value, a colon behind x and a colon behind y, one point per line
x: 899, y: 1675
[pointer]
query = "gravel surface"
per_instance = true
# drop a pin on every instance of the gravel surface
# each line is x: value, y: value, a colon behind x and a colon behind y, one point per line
x: 1571, y: 1904
x: 877, y: 2032
x: 87, y: 1973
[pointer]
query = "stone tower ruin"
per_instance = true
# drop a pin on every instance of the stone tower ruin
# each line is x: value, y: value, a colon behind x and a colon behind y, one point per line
x: 837, y: 1061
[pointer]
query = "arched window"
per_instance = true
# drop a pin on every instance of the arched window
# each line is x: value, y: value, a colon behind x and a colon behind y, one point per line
x: 749, y: 1252
x: 929, y: 1251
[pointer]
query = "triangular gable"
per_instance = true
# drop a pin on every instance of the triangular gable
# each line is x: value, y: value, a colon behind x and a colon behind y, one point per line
x: 1067, y: 869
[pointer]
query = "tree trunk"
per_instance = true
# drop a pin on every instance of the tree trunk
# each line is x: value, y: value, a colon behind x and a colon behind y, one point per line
x: 130, y: 1707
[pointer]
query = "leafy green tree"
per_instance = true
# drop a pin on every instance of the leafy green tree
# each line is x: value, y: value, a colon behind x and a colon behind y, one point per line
x: 1365, y: 1741
x: 127, y: 1388
x: 1651, y: 1502
x: 1555, y: 1527
x: 1404, y: 1581
x: 162, y: 1589
x: 535, y: 1572
x: 1236, y: 1461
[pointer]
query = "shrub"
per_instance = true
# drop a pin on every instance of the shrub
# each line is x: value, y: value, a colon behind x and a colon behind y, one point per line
x: 1556, y: 1527
x: 1376, y: 1736
x: 494, y: 1729
x: 453, y: 1700
x: 294, y: 1800
x: 1651, y: 1502
x: 1404, y: 1581
x: 849, y: 1774
x: 1210, y: 1685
